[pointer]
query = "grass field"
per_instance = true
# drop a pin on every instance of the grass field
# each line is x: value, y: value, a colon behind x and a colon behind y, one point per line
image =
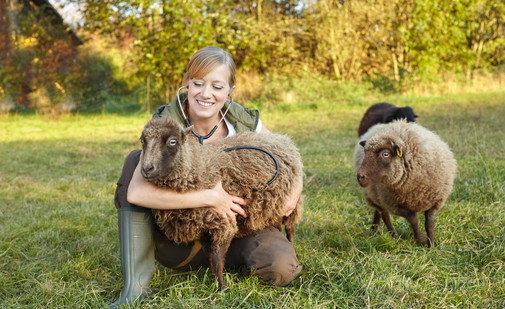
x: 58, y: 226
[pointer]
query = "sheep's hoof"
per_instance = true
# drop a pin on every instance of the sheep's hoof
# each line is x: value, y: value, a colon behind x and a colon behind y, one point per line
x: 431, y: 243
x: 393, y: 234
x: 374, y: 227
x: 422, y: 239
x: 220, y: 287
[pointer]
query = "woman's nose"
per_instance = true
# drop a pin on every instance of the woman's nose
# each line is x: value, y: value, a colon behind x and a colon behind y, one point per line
x: 206, y: 92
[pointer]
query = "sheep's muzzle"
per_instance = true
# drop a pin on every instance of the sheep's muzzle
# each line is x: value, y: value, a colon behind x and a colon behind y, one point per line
x: 363, y: 180
x: 148, y: 172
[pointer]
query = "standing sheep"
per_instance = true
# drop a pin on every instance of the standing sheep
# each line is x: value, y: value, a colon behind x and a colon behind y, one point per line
x: 384, y: 113
x: 404, y: 169
x: 170, y: 161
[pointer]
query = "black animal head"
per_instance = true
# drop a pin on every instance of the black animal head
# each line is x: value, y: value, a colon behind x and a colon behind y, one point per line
x: 396, y: 113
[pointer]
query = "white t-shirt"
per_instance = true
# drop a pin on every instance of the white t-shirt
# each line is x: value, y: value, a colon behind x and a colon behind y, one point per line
x: 232, y: 131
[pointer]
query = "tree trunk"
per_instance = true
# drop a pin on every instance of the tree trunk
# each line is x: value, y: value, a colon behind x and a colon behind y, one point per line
x: 395, y: 67
x: 149, y: 94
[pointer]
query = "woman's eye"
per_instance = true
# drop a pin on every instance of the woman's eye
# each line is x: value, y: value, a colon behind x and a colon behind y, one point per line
x: 197, y: 84
x: 172, y: 142
x: 218, y: 87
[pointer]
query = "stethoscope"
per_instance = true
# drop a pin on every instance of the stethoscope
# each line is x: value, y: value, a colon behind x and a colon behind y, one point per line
x: 186, y: 120
x: 201, y: 138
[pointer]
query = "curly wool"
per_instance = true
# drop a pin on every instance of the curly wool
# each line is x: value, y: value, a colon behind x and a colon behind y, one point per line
x: 420, y: 173
x: 243, y: 172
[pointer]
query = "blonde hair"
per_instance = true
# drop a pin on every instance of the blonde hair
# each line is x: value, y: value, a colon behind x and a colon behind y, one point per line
x: 207, y: 59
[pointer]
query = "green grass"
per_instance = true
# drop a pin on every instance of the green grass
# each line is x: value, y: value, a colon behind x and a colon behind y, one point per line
x: 58, y: 225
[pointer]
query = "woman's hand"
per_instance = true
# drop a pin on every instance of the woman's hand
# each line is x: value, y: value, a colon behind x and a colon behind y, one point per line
x: 227, y: 205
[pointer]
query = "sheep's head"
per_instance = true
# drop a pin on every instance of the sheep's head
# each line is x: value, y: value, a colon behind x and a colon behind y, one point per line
x: 382, y: 162
x: 396, y: 113
x: 161, y: 139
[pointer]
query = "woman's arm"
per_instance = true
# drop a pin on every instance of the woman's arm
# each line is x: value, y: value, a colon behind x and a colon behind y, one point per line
x: 146, y: 194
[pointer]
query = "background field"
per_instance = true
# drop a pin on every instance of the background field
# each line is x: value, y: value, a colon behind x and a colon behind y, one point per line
x: 58, y: 226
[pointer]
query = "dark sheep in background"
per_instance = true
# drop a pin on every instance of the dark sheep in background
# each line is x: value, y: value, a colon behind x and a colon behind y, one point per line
x: 384, y: 113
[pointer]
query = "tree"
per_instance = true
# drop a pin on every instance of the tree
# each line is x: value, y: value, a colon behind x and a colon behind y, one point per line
x: 456, y: 36
x: 165, y: 33
x: 37, y: 51
x: 339, y: 29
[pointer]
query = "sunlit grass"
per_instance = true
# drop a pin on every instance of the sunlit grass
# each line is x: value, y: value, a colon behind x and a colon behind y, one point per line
x: 58, y: 225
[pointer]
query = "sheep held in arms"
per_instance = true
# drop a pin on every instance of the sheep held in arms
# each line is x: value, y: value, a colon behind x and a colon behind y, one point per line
x: 404, y: 169
x: 384, y: 113
x: 170, y: 160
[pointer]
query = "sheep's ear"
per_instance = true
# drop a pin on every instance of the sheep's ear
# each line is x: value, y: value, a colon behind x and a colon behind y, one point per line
x: 413, y: 114
x: 362, y: 143
x: 397, y: 149
x: 185, y: 132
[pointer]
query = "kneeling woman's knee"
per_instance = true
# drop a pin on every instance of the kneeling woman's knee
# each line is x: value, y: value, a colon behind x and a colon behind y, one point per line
x: 282, y: 271
x: 273, y: 258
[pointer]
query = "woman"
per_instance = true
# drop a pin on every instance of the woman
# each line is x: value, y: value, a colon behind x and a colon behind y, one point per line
x: 207, y: 106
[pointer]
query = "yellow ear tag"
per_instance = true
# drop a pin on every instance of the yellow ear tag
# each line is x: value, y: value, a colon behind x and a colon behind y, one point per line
x: 186, y: 138
x: 399, y: 152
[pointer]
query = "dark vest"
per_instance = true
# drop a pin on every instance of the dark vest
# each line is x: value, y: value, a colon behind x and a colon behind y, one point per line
x: 242, y: 118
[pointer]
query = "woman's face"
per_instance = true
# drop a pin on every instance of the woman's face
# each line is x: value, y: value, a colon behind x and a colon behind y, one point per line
x: 206, y: 96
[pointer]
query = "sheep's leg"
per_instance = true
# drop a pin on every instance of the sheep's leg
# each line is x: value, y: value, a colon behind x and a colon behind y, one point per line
x: 381, y: 215
x: 290, y: 221
x: 220, y: 243
x: 377, y: 219
x: 378, y: 216
x: 429, y: 225
x: 387, y: 221
x: 217, y: 260
x: 289, y: 226
x: 290, y: 232
x: 412, y: 218
x: 278, y: 225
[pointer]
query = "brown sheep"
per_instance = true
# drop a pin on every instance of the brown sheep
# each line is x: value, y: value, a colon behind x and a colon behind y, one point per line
x: 384, y: 113
x: 404, y: 169
x: 170, y: 160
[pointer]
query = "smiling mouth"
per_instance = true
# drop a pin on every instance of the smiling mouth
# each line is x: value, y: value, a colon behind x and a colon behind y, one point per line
x: 205, y: 103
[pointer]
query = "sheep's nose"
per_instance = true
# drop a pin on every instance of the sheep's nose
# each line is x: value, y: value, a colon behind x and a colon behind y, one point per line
x: 360, y: 178
x: 146, y: 170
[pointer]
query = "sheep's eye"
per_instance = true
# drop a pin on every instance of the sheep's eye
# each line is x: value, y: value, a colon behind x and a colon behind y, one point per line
x: 385, y: 154
x: 141, y: 141
x: 172, y: 142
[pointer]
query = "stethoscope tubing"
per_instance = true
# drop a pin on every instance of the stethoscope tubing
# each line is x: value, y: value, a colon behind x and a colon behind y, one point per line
x: 201, y: 138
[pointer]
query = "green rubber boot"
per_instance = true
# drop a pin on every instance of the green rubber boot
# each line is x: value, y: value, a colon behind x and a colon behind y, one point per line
x: 136, y: 244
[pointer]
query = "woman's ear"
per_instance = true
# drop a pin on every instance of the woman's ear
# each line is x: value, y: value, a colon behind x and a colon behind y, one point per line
x: 231, y: 90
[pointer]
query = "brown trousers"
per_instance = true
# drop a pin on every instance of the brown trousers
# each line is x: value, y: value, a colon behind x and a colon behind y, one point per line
x: 267, y: 253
